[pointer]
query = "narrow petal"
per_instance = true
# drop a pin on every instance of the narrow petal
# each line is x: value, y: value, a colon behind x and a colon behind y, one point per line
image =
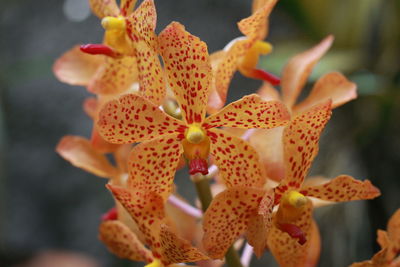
x: 152, y: 165
x: 122, y: 242
x: 227, y: 218
x: 103, y: 8
x: 132, y: 118
x: 342, y: 188
x: 76, y: 68
x: 250, y: 112
x: 146, y: 209
x: 215, y: 100
x: 378, y: 260
x: 176, y: 249
x: 188, y: 68
x: 296, y: 72
x: 332, y: 86
x: 286, y: 250
x: 393, y: 230
x: 127, y: 7
x: 260, y: 224
x: 255, y: 26
x: 80, y: 153
x: 114, y: 76
x: 268, y: 93
x: 90, y: 106
x: 300, y: 139
x: 237, y: 161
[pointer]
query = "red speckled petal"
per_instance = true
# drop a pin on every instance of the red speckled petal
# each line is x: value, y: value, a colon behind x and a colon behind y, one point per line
x: 227, y: 218
x: 215, y: 102
x: 122, y: 242
x: 237, y: 161
x: 103, y: 8
x: 114, y: 76
x: 260, y: 224
x: 188, y: 67
x: 80, y: 153
x: 300, y: 139
x: 255, y: 26
x: 132, y: 118
x: 152, y: 165
x: 250, y: 112
x: 99, y: 144
x: 296, y: 72
x: 343, y: 188
x: 333, y: 86
x: 127, y: 7
x: 76, y: 68
x: 286, y: 250
x: 176, y: 249
x: 146, y: 209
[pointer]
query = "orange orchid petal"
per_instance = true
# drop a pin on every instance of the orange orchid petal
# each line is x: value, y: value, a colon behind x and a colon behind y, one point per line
x: 255, y: 26
x: 250, y: 112
x: 176, y: 249
x: 268, y: 93
x: 114, y: 76
x: 90, y: 106
x: 215, y: 100
x: 121, y: 156
x: 186, y: 225
x: 153, y: 164
x: 300, y: 139
x: 378, y: 260
x: 333, y: 86
x: 342, y: 188
x: 393, y: 230
x: 127, y: 7
x: 237, y: 161
x: 296, y: 72
x: 77, y: 68
x: 101, y: 145
x: 286, y: 250
x: 314, y: 247
x: 146, y: 209
x: 140, y: 28
x: 228, y: 66
x: 260, y: 224
x: 80, y: 153
x: 188, y: 67
x: 122, y: 242
x: 103, y: 8
x: 228, y: 217
x: 132, y: 118
x: 269, y: 146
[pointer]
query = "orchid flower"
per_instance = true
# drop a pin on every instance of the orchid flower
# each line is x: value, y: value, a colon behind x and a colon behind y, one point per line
x: 242, y: 209
x: 133, y: 118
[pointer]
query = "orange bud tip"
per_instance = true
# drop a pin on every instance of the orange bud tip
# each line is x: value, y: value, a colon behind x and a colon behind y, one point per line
x: 110, y: 215
x: 98, y: 49
x: 294, y: 232
x: 198, y: 166
x: 266, y: 76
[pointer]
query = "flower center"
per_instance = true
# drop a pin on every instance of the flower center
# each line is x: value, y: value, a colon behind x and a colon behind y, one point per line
x: 194, y: 134
x: 296, y: 199
x: 155, y: 263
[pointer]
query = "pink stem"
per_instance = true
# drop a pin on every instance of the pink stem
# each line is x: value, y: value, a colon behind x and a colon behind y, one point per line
x: 185, y: 207
x: 246, y: 255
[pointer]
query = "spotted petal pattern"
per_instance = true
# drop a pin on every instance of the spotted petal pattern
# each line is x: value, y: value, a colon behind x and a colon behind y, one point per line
x: 114, y: 76
x: 127, y: 7
x: 122, y: 242
x: 300, y: 139
x: 77, y: 68
x: 250, y: 112
x: 296, y: 72
x: 342, y: 188
x: 103, y: 8
x: 132, y: 118
x: 227, y: 218
x: 176, y: 249
x: 237, y: 161
x: 188, y: 68
x: 80, y: 153
x: 286, y: 250
x: 334, y: 86
x: 153, y: 165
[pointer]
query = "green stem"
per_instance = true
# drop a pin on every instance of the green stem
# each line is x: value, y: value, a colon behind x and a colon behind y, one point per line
x: 204, y: 192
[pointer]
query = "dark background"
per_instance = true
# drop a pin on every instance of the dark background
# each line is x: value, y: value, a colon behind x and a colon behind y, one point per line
x: 46, y: 204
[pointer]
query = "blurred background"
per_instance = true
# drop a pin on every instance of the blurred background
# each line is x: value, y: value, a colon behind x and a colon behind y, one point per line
x: 50, y: 211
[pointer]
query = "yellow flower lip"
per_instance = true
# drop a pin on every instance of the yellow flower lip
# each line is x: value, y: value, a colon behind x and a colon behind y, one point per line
x: 113, y: 23
x: 155, y: 263
x: 194, y: 134
x: 296, y: 199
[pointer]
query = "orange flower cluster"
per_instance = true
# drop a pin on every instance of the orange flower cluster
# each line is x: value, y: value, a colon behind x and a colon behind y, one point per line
x: 151, y: 117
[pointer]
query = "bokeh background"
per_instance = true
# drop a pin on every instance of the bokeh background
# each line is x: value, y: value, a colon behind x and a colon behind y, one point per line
x: 46, y: 205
